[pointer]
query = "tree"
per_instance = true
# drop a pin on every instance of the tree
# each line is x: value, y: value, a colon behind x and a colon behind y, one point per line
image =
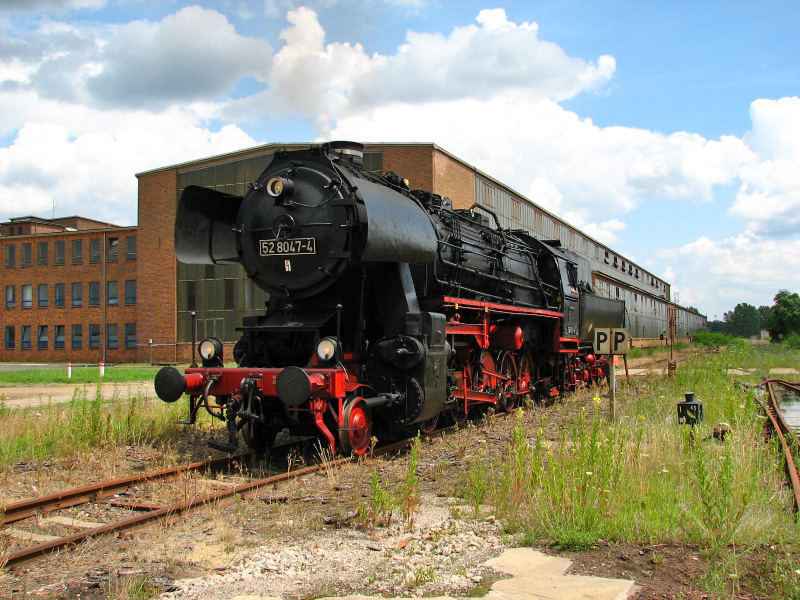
x: 716, y: 326
x: 743, y: 320
x: 764, y: 313
x: 785, y: 315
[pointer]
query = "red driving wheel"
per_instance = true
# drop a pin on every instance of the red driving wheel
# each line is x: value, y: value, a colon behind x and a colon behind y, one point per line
x: 525, y: 378
x: 508, y: 367
x: 356, y: 436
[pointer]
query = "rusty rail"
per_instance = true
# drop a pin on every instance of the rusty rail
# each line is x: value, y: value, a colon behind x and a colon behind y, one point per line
x: 780, y: 426
x: 78, y: 495
x: 31, y: 552
x: 24, y: 509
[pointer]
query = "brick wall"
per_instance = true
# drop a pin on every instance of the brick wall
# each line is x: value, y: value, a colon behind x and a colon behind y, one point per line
x: 157, y: 309
x: 50, y: 274
x: 453, y: 179
x: 410, y: 162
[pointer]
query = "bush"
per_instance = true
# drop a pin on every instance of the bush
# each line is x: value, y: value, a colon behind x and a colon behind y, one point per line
x: 706, y: 338
x: 793, y: 340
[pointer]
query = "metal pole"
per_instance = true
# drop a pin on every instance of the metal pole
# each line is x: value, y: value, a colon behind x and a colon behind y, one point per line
x: 104, y: 300
x: 194, y: 339
x: 612, y: 389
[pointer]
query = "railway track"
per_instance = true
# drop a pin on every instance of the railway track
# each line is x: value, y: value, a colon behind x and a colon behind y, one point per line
x: 678, y: 358
x: 45, y: 508
x: 776, y: 390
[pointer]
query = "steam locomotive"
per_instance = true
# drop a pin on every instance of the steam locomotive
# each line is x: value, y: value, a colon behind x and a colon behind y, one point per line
x: 388, y: 308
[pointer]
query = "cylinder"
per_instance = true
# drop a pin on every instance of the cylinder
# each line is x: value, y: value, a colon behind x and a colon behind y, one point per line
x: 508, y: 337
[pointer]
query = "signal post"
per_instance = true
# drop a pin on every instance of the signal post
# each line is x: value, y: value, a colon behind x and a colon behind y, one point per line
x: 613, y: 342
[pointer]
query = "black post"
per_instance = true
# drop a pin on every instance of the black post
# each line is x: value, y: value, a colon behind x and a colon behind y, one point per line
x: 194, y: 339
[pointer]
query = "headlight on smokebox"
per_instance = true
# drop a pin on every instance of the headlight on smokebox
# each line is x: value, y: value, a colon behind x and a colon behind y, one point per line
x: 211, y: 351
x: 328, y: 349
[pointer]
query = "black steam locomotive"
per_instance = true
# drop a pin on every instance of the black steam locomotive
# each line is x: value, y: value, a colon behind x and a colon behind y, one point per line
x: 387, y: 306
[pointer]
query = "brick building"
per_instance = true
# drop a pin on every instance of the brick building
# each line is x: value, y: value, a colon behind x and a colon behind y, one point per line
x: 69, y: 290
x: 154, y: 325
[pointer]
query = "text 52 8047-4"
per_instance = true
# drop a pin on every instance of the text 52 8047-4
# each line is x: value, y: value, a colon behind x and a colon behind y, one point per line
x: 288, y: 246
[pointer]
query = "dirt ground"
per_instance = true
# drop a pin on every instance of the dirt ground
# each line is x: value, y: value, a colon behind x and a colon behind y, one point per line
x: 19, y: 396
x: 306, y: 539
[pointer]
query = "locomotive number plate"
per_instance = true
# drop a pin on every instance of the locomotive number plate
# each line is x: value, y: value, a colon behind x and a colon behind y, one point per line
x: 290, y: 246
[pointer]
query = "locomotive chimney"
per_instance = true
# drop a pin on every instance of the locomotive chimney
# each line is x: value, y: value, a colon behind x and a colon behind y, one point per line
x: 350, y: 151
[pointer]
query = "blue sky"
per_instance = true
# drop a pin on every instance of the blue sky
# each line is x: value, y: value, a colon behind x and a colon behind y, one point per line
x: 669, y: 130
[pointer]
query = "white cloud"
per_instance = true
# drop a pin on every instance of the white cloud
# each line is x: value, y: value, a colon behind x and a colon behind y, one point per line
x: 567, y: 164
x: 326, y: 81
x: 90, y: 171
x: 138, y: 64
x: 715, y: 275
x: 769, y: 197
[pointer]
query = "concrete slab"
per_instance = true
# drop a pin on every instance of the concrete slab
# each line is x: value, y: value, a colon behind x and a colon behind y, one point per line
x: 784, y: 371
x: 742, y: 372
x: 29, y: 535
x: 70, y: 522
x: 561, y: 587
x: 520, y: 562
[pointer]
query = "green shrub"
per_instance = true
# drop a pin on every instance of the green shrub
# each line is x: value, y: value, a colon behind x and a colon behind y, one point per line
x: 706, y: 338
x: 793, y: 340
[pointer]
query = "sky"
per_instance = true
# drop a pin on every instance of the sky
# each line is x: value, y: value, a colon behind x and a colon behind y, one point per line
x: 669, y: 130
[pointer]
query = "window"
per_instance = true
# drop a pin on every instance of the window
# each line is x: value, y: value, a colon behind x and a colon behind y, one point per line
x: 59, y: 250
x: 11, y: 298
x: 77, y: 252
x: 27, y: 296
x: 94, y: 293
x: 94, y: 250
x: 11, y: 255
x: 112, y: 336
x: 130, y: 291
x: 113, y: 249
x: 11, y: 337
x: 26, y: 255
x: 191, y: 301
x: 77, y: 293
x: 60, y: 337
x: 59, y: 294
x: 41, y: 342
x: 42, y: 295
x: 77, y: 336
x: 130, y: 247
x: 94, y: 336
x: 25, y: 336
x: 130, y: 335
x: 112, y: 292
x: 42, y: 253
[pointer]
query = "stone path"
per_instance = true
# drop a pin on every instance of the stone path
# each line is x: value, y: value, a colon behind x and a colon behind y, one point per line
x: 534, y: 576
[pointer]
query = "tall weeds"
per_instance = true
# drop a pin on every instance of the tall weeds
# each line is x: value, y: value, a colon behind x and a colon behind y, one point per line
x: 637, y: 479
x: 84, y: 422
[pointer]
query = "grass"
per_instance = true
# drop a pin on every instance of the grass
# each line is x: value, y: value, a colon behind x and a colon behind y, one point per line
x: 87, y: 421
x: 80, y: 375
x: 640, y: 479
